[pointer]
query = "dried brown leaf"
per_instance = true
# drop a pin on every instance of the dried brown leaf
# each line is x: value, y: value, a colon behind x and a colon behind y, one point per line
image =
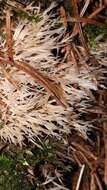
x: 55, y: 89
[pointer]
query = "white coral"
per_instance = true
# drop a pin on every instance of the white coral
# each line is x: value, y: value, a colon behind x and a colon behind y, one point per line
x: 30, y: 110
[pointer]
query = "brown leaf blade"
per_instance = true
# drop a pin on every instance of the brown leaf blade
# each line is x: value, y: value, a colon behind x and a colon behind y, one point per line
x: 55, y: 89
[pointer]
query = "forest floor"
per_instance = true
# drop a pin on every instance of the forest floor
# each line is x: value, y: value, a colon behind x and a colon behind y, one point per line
x: 71, y: 162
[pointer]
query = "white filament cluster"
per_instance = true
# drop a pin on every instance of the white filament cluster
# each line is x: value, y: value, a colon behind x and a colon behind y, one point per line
x: 30, y: 110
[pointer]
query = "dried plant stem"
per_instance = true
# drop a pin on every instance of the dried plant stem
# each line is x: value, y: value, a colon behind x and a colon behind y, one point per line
x: 105, y: 146
x: 98, y: 181
x: 9, y: 35
x: 52, y: 87
x: 105, y: 143
x: 86, y: 21
x: 80, y: 177
x: 103, y: 98
x: 87, y: 2
x: 98, y: 10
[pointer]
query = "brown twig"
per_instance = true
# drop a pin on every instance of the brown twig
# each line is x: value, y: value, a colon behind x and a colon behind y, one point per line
x: 105, y: 144
x: 86, y: 21
x: 9, y: 40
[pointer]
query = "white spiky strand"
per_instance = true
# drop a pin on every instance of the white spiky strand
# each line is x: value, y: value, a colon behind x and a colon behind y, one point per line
x: 27, y: 108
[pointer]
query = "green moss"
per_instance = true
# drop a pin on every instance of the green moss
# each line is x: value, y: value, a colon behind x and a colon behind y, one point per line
x: 93, y: 31
x: 25, y: 15
x: 12, y: 172
x: 15, y: 163
x: 5, y: 163
x: 1, y: 125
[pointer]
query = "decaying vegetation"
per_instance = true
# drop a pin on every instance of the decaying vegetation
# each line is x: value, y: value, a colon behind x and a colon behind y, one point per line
x: 53, y: 76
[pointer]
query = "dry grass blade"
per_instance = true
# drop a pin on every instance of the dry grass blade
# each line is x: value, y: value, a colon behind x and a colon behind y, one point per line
x: 50, y: 85
x: 87, y: 2
x: 80, y: 177
x: 9, y: 35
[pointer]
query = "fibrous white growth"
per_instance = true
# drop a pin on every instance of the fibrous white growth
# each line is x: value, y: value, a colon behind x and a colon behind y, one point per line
x: 29, y: 110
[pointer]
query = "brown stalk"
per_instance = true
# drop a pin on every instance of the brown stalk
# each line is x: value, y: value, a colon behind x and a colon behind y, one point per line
x: 98, y: 10
x: 50, y: 85
x: 9, y: 41
x: 86, y: 21
x: 76, y: 14
x: 105, y: 144
x: 47, y: 83
x: 103, y: 98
